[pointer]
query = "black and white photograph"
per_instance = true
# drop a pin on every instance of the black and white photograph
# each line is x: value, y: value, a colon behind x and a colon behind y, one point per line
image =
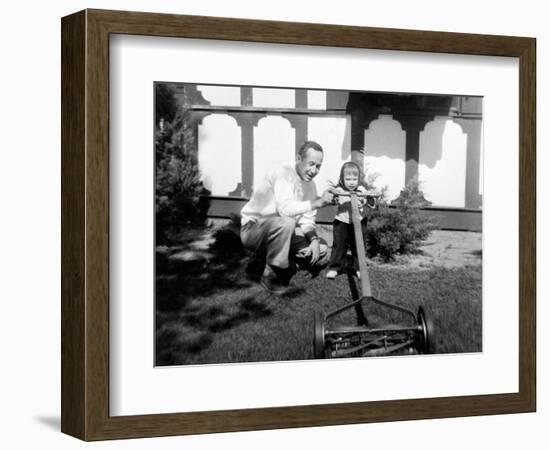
x: 258, y: 225
x: 302, y: 223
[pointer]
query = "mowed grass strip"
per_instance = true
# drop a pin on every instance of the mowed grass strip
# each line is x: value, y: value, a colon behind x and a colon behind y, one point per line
x: 211, y: 313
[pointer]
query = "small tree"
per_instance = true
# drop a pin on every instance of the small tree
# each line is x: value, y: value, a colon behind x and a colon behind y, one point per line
x: 177, y: 184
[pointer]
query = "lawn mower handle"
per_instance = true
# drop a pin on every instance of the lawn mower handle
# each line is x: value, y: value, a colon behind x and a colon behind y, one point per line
x: 371, y: 193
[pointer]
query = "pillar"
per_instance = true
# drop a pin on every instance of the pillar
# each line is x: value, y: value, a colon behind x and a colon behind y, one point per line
x: 247, y: 122
x: 360, y: 122
x: 472, y: 128
x: 412, y: 125
x: 299, y: 123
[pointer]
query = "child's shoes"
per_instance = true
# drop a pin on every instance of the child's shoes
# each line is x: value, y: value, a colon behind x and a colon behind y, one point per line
x: 331, y: 274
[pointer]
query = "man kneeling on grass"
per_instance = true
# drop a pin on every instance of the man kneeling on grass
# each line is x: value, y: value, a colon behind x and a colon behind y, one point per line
x: 286, y: 198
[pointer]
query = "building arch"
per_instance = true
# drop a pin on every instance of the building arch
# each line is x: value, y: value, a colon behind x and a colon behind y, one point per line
x: 274, y: 143
x: 219, y: 153
x: 384, y: 154
x: 442, y: 159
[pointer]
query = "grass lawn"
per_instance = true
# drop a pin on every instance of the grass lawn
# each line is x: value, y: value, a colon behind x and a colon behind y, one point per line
x: 208, y: 311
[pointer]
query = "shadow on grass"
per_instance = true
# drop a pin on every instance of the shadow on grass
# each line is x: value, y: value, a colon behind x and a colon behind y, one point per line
x: 180, y: 280
x: 203, y: 290
x: 191, y: 330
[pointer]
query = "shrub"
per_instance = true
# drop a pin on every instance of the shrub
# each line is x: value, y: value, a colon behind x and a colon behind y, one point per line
x: 177, y: 182
x: 399, y: 228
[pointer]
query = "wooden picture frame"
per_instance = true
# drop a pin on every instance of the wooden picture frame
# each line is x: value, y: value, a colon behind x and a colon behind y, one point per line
x: 85, y: 224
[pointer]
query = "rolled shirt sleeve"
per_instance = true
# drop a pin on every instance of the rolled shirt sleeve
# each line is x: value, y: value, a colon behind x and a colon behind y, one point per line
x: 307, y: 221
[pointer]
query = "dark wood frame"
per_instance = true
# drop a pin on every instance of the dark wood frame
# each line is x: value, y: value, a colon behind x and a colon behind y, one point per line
x: 85, y: 224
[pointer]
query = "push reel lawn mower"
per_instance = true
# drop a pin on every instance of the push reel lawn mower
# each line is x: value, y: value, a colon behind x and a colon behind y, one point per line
x: 415, y: 334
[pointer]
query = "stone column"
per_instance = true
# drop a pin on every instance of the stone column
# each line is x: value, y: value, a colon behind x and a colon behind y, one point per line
x: 472, y: 128
x: 247, y: 122
x: 360, y: 122
x: 412, y: 125
x: 299, y: 123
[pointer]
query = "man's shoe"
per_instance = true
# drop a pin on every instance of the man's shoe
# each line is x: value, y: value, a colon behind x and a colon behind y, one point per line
x: 275, y: 280
x: 255, y: 268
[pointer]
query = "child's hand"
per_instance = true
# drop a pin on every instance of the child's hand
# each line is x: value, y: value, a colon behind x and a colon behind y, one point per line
x: 343, y: 199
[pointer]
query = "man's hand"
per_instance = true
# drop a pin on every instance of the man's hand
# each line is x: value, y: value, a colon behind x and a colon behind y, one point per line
x: 313, y: 251
x: 324, y: 200
x: 327, y: 197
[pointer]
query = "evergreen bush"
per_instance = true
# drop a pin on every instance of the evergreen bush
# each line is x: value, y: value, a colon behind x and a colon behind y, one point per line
x: 399, y: 228
x: 177, y: 182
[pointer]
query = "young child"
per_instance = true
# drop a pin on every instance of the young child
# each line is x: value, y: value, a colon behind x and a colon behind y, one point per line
x: 342, y: 227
